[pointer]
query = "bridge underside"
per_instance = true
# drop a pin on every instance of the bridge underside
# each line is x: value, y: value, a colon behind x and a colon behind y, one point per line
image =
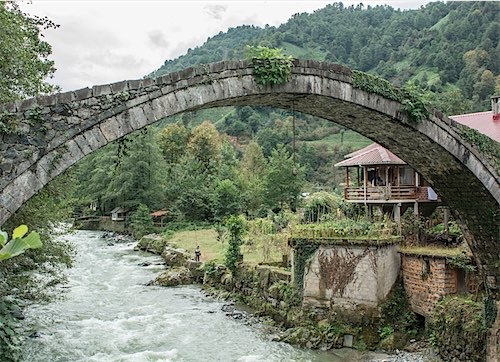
x: 77, y: 123
x: 471, y: 203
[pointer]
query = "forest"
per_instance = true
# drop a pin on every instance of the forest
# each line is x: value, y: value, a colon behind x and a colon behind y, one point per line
x: 192, y: 163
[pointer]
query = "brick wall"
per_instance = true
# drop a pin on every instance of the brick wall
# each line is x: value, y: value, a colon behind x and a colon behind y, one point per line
x: 426, y: 280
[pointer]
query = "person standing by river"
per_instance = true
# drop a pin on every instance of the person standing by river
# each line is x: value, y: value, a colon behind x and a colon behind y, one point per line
x: 197, y: 253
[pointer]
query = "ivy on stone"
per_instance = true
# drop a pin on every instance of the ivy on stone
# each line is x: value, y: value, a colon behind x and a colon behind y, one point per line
x: 304, y: 249
x: 483, y: 143
x: 414, y: 100
x: 270, y: 65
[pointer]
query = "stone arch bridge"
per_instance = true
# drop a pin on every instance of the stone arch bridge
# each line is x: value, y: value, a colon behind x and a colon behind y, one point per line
x: 42, y: 137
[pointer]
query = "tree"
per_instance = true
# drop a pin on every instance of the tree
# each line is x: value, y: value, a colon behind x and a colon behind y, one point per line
x: 172, y: 141
x: 188, y: 189
x: 125, y: 173
x: 236, y: 227
x: 137, y: 177
x: 141, y: 221
x: 253, y: 169
x: 284, y: 180
x: 254, y: 162
x: 205, y: 145
x: 24, y: 63
x: 226, y: 199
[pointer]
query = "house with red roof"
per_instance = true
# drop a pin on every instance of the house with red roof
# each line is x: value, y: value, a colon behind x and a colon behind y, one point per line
x: 378, y: 178
x: 488, y: 123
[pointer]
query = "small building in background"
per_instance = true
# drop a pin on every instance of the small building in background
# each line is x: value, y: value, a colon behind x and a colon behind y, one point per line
x: 378, y: 178
x: 159, y: 217
x: 119, y: 214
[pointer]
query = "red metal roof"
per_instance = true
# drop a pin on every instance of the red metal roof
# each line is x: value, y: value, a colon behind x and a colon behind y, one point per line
x: 373, y: 154
x: 159, y: 213
x: 484, y: 122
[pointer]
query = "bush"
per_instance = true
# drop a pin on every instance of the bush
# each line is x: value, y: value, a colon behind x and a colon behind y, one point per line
x: 236, y: 227
x: 458, y: 329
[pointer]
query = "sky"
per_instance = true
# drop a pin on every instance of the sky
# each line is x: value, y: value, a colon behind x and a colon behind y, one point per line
x: 105, y: 41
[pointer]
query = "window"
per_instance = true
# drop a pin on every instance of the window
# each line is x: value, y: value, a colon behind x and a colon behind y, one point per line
x: 406, y: 176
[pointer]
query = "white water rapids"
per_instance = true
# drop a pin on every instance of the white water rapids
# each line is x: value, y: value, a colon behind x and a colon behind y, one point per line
x: 108, y: 314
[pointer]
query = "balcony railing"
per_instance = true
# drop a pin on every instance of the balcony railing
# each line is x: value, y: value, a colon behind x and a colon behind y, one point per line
x: 387, y: 193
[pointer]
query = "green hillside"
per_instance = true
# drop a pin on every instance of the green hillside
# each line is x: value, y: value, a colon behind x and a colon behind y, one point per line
x: 452, y: 50
x: 436, y: 46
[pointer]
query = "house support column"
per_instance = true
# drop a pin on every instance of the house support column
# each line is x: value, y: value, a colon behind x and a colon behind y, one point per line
x: 446, y: 219
x: 397, y: 216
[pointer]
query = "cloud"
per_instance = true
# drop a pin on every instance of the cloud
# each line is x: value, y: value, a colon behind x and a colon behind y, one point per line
x: 215, y: 11
x: 158, y: 38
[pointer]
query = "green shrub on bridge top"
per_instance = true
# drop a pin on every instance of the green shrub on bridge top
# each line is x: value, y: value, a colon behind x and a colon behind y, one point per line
x: 270, y: 65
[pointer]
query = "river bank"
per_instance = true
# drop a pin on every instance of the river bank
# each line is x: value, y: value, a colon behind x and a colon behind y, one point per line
x: 267, y: 290
x: 108, y: 313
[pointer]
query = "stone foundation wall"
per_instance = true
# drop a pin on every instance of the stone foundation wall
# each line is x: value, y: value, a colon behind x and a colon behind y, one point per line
x: 350, y: 276
x: 426, y: 280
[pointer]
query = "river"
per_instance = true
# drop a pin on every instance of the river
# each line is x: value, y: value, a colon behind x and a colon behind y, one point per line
x: 108, y: 314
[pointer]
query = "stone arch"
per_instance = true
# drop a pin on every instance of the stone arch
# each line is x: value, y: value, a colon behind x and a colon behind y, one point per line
x: 54, y: 132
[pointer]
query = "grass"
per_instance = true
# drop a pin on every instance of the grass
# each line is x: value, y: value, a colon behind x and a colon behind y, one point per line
x: 431, y: 251
x: 440, y: 23
x: 431, y: 74
x: 303, y: 53
x: 211, y: 249
x: 351, y: 138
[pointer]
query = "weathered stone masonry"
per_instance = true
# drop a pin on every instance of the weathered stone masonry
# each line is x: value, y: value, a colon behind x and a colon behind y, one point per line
x: 49, y: 134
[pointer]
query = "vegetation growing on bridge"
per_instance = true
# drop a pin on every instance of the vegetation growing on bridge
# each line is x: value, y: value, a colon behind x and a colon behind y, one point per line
x: 486, y: 145
x: 414, y: 100
x: 270, y: 66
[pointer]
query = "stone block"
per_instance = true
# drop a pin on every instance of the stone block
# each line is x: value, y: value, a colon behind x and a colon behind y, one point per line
x: 134, y: 84
x: 46, y: 100
x: 131, y: 119
x: 137, y: 100
x: 148, y: 83
x: 119, y: 87
x: 82, y: 94
x: 7, y: 202
x: 63, y: 98
x: 95, y: 138
x: 111, y: 129
x: 26, y: 104
x: 149, y: 114
x: 83, y: 144
x: 101, y: 90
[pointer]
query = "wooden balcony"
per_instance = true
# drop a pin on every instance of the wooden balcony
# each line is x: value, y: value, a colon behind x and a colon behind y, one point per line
x: 387, y: 193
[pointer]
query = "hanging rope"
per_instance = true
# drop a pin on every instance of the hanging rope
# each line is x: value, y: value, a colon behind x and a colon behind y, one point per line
x: 294, y: 171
